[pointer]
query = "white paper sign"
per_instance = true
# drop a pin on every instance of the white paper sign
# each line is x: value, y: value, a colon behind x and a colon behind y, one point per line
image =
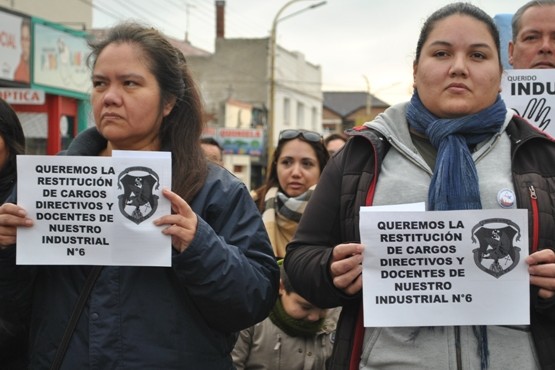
x: 445, y: 268
x: 531, y: 93
x: 94, y: 210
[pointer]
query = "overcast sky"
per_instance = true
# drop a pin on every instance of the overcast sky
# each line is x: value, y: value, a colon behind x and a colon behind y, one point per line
x: 354, y: 41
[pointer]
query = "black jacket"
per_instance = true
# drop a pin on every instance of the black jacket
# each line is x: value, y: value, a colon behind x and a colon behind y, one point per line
x: 348, y: 182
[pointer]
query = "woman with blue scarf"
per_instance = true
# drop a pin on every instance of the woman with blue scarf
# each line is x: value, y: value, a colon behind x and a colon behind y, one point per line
x: 455, y: 146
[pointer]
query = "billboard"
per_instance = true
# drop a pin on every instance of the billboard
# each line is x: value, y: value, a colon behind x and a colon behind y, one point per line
x: 60, y: 59
x: 238, y: 141
x: 15, y: 47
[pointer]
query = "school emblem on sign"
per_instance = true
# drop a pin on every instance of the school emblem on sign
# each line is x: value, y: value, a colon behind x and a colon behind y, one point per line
x: 138, y: 203
x: 496, y: 255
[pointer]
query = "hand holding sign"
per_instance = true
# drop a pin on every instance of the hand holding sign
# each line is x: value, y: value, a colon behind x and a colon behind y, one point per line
x: 11, y: 217
x: 542, y: 272
x: 346, y: 267
x: 182, y: 224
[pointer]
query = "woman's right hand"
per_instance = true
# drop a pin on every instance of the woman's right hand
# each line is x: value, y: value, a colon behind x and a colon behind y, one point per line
x: 12, y: 216
x: 346, y: 267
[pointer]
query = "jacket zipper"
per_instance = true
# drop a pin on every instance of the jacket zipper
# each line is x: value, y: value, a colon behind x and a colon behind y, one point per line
x: 535, y: 218
x: 458, y: 354
x: 277, y: 348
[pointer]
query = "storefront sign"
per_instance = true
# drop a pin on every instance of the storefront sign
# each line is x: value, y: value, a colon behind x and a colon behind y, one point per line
x: 22, y: 96
x: 238, y: 141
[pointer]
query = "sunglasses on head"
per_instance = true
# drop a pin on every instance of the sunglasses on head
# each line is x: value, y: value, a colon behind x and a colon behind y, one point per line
x: 307, y: 135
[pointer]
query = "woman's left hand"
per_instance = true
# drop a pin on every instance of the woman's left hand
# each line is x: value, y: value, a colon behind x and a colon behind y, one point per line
x: 541, y: 267
x: 182, y: 223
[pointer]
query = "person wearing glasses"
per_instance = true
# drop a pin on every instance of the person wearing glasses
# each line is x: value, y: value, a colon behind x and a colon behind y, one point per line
x: 454, y: 146
x: 298, y: 160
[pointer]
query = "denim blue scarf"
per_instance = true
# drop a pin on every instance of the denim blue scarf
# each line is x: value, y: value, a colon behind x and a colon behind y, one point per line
x: 454, y: 183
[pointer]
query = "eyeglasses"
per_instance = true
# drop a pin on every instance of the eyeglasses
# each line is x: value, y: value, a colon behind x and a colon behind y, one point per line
x: 307, y: 135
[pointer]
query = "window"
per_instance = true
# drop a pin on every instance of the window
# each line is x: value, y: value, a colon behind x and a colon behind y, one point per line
x: 300, y: 115
x: 286, y: 112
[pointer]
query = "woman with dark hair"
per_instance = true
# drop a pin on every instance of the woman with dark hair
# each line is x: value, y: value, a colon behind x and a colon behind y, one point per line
x: 12, y: 143
x: 223, y: 276
x: 454, y: 146
x: 297, y: 163
x: 12, y: 330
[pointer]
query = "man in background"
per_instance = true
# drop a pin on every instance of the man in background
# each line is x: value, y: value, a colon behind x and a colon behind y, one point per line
x: 212, y: 150
x: 533, y: 40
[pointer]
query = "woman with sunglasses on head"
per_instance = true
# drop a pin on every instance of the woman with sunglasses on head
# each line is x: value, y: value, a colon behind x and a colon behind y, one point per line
x: 454, y: 146
x: 297, y: 163
x: 297, y: 335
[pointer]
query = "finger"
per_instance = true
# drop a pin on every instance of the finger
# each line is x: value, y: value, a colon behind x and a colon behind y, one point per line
x: 12, y: 215
x: 355, y: 287
x: 345, y: 265
x: 346, y: 250
x: 178, y: 204
x: 177, y: 220
x: 546, y: 294
x: 545, y: 270
x: 539, y: 257
x: 181, y: 237
x: 12, y: 209
x: 344, y: 281
x: 6, y: 239
x: 542, y: 281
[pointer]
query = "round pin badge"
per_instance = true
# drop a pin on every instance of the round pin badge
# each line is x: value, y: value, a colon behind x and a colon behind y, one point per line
x: 506, y: 198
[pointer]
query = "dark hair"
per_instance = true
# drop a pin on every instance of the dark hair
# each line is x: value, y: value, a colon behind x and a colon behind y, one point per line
x: 334, y: 136
x: 515, y: 23
x: 181, y: 129
x: 460, y: 9
x: 14, y: 140
x: 211, y: 141
x: 272, y: 180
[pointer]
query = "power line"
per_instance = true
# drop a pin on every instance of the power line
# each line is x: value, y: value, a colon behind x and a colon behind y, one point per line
x: 109, y: 14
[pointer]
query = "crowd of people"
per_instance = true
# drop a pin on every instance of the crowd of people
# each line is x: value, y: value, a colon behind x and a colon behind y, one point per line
x: 272, y: 278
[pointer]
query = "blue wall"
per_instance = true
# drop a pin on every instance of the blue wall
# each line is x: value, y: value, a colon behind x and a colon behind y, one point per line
x: 503, y: 22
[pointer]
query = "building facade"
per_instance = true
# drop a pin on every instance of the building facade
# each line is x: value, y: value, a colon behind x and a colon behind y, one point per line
x: 43, y: 72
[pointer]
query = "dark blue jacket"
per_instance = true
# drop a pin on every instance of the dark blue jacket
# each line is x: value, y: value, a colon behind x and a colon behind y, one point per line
x: 183, y: 317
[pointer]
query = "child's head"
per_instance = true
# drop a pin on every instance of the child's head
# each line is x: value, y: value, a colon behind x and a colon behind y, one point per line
x: 294, y: 305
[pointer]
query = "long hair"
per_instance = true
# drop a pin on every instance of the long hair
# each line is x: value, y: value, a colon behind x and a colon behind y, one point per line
x: 272, y: 177
x: 181, y: 129
x: 14, y: 140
